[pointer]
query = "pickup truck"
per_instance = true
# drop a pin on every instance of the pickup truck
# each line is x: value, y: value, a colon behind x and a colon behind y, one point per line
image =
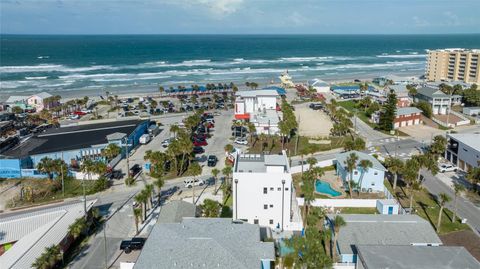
x: 134, y: 244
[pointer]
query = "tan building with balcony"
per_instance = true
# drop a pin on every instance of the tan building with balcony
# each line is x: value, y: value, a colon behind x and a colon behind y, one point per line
x: 453, y: 65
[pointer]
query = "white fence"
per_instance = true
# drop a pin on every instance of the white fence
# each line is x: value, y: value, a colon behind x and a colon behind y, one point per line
x: 298, y: 169
x: 341, y: 202
x: 343, y: 265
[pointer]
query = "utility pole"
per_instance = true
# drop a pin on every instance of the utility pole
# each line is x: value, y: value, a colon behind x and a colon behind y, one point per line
x: 127, y: 156
x: 105, y: 243
x: 298, y: 134
x: 63, y: 181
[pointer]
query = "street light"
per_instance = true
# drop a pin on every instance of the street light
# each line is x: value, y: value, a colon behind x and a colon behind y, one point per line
x: 283, y: 197
x: 236, y: 198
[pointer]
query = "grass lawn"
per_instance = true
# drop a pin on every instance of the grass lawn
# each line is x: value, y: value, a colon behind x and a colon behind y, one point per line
x: 351, y: 106
x: 274, y: 145
x: 358, y: 210
x: 45, y: 192
x: 425, y: 205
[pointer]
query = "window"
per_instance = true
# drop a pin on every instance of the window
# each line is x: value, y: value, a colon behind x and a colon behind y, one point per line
x: 279, y: 189
x: 271, y: 188
x: 264, y: 190
x: 286, y: 189
x: 373, y: 183
x: 271, y: 221
x: 265, y: 206
x: 355, y: 173
x: 375, y: 173
x: 271, y: 206
x: 255, y: 221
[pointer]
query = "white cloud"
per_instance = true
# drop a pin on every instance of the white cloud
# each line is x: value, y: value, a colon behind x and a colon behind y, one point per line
x: 217, y: 8
x: 451, y: 19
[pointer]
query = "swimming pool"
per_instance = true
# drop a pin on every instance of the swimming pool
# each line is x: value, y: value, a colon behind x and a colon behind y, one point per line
x: 324, y: 187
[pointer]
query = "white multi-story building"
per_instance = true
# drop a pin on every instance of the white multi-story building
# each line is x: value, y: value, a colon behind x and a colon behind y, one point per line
x: 440, y: 102
x: 263, y: 192
x: 260, y: 108
x: 463, y: 150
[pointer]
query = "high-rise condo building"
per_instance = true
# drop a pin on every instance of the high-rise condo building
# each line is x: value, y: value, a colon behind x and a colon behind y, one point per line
x: 453, y: 65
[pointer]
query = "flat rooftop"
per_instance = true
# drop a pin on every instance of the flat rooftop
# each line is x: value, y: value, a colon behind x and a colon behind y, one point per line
x: 270, y: 116
x: 406, y: 257
x: 384, y: 230
x: 205, y: 243
x: 257, y: 93
x: 72, y: 138
x: 257, y: 163
x: 470, y: 139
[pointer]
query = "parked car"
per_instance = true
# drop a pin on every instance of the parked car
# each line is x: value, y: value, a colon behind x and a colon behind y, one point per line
x: 199, y: 142
x: 114, y: 174
x: 315, y: 106
x: 210, y: 125
x: 200, y: 136
x: 241, y: 141
x: 144, y: 139
x: 239, y: 134
x: 189, y: 182
x: 198, y: 150
x: 134, y: 170
x: 135, y: 243
x: 212, y: 160
x: 445, y: 167
x: 167, y: 142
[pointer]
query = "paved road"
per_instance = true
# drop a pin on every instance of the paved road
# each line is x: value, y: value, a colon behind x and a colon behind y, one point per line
x: 466, y: 209
x: 366, y: 131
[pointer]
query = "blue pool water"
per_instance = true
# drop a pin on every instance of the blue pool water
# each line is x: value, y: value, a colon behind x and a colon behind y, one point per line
x: 324, y: 187
x: 284, y: 249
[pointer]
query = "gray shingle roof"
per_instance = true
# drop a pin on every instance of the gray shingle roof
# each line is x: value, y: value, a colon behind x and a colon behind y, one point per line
x: 175, y: 211
x: 431, y: 92
x: 406, y: 257
x: 342, y: 157
x: 205, y: 243
x: 384, y: 230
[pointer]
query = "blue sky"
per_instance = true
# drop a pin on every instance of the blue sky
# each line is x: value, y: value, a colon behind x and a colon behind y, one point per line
x: 239, y: 16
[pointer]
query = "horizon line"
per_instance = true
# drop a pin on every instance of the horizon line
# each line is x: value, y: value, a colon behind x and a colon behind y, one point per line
x: 238, y: 34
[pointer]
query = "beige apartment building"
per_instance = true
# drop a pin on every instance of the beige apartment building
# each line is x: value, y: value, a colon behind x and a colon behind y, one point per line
x: 453, y: 65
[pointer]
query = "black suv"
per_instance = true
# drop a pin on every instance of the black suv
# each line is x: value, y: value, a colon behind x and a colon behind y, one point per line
x: 134, y: 170
x: 212, y: 160
x: 135, y: 243
x: 198, y: 150
x: 315, y: 106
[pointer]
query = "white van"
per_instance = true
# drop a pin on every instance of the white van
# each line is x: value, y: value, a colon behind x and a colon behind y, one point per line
x: 144, y: 139
x: 189, y: 182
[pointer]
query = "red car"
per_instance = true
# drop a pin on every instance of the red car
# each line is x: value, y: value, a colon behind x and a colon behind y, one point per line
x: 200, y: 136
x: 199, y: 143
x: 79, y: 113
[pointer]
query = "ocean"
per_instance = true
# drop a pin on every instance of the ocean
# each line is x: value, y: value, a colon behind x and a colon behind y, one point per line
x: 90, y: 65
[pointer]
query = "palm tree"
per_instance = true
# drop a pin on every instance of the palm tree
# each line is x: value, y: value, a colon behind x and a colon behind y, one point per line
x: 174, y: 129
x: 395, y: 165
x: 210, y: 208
x: 76, y: 229
x: 443, y: 198
x: 49, y: 258
x: 458, y: 188
x: 308, y: 190
x: 338, y: 222
x: 137, y: 214
x: 410, y: 176
x: 46, y: 166
x: 227, y: 171
x: 142, y: 198
x: 351, y: 164
x: 159, y: 182
x: 162, y: 90
x: 473, y: 176
x: 111, y: 151
x: 195, y: 170
x: 215, y: 173
x: 365, y: 165
x: 251, y: 130
x: 149, y: 193
x: 311, y: 162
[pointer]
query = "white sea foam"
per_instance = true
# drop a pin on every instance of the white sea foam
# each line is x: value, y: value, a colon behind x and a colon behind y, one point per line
x: 50, y: 68
x: 401, y: 56
x: 36, y: 78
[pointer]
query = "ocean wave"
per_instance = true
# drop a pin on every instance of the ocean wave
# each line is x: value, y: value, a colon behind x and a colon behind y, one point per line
x: 50, y: 68
x: 401, y: 56
x: 29, y: 78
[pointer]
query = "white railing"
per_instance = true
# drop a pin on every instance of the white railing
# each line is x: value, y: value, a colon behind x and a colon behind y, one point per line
x: 341, y: 202
x: 298, y: 168
x: 343, y: 265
